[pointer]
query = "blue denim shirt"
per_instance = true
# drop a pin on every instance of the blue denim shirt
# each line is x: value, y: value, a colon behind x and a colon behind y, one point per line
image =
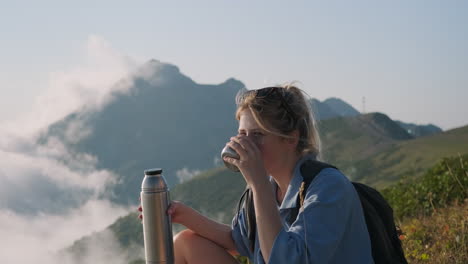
x: 330, y: 227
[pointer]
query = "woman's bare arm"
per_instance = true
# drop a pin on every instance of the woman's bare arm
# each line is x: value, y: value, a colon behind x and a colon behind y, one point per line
x: 267, y: 216
x: 217, y: 232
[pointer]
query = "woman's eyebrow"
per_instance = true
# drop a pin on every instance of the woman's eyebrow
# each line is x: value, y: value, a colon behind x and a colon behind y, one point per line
x: 252, y: 130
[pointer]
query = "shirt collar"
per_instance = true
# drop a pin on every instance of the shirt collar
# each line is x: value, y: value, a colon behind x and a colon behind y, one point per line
x: 290, y: 198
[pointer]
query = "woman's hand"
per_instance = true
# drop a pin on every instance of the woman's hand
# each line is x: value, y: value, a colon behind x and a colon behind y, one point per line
x: 250, y: 163
x: 176, y: 210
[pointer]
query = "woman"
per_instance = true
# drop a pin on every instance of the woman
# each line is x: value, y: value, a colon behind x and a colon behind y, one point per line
x: 276, y: 135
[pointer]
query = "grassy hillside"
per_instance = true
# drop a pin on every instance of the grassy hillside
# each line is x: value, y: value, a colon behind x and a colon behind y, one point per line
x: 375, y: 150
x: 433, y: 213
x: 409, y: 158
x: 346, y: 139
x: 214, y: 193
x: 441, y: 237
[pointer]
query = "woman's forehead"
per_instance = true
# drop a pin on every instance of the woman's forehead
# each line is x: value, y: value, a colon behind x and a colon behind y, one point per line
x: 247, y: 121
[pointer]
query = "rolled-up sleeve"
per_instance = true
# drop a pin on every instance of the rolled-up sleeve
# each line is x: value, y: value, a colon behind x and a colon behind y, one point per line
x: 319, y: 227
x: 239, y: 235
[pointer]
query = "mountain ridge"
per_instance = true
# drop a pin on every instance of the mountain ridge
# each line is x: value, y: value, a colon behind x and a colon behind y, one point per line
x: 147, y: 127
x: 166, y: 120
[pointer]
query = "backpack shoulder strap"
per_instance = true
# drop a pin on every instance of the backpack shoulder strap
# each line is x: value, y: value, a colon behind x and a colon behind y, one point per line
x: 247, y: 205
x: 309, y: 170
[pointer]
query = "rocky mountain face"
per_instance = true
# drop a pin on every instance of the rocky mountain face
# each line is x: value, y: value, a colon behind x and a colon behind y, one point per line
x: 165, y: 120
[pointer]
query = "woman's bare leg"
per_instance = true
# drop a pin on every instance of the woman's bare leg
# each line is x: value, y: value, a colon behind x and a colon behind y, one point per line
x: 190, y: 248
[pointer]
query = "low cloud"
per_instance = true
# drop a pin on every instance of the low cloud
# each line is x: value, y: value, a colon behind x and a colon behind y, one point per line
x: 185, y: 174
x: 38, y: 239
x: 50, y: 195
x: 90, y: 85
x: 49, y: 178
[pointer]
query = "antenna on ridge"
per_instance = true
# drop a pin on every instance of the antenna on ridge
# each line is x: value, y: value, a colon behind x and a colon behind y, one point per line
x: 363, y: 104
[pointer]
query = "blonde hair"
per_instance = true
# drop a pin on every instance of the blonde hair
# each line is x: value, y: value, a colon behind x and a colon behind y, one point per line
x: 282, y: 114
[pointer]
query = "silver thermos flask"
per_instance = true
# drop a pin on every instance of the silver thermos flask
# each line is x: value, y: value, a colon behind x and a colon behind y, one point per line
x: 157, y: 227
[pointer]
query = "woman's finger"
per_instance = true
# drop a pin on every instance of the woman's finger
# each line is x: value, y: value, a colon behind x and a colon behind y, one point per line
x: 248, y: 144
x: 238, y: 148
x: 170, y: 208
x: 232, y: 161
x: 170, y: 211
x: 140, y: 209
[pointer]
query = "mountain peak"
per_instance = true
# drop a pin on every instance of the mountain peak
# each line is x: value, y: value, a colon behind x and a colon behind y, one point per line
x: 234, y: 83
x: 341, y: 107
x: 383, y: 123
x: 155, y: 71
x: 157, y: 65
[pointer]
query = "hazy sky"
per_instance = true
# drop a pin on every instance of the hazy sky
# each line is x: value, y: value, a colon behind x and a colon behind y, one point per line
x: 409, y: 59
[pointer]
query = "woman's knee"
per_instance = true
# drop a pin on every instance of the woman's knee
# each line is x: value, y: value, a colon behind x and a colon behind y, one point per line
x: 184, y: 237
x: 193, y: 248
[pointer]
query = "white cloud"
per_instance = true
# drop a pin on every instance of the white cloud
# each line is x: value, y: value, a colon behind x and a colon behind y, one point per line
x: 217, y: 161
x: 185, y: 174
x: 38, y: 239
x: 76, y: 131
x: 48, y: 169
x: 55, y: 163
x: 50, y: 195
x: 89, y: 85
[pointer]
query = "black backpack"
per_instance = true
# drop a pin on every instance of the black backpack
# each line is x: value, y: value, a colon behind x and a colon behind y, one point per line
x: 385, y: 243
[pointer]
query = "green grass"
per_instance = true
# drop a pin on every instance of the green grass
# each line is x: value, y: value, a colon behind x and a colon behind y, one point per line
x: 410, y: 158
x: 440, y: 237
x: 433, y: 213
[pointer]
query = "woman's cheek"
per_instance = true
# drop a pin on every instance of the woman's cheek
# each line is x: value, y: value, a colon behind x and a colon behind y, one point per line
x: 259, y: 141
x: 260, y: 144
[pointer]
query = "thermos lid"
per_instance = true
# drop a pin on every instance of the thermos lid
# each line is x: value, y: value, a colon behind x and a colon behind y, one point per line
x: 154, y: 181
x: 155, y: 171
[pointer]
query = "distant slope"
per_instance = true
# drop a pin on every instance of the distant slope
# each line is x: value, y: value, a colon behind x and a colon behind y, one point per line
x: 345, y: 139
x: 335, y: 107
x: 214, y: 192
x: 420, y: 130
x: 411, y: 158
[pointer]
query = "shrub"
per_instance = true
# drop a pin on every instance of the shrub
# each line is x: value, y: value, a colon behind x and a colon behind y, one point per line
x: 443, y: 184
